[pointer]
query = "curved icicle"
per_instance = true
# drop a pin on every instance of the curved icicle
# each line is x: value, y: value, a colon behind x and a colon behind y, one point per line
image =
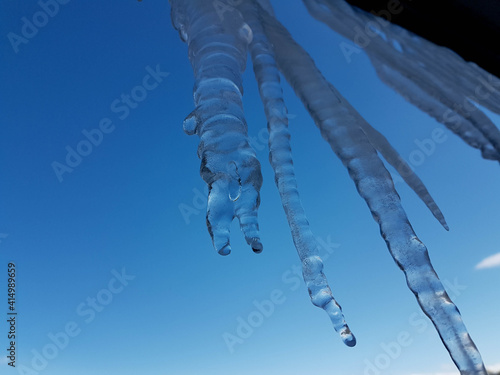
x: 217, y: 51
x: 280, y: 156
x: 338, y: 126
x: 435, y: 71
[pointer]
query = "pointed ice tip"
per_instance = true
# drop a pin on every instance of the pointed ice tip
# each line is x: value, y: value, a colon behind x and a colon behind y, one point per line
x: 226, y: 250
x: 440, y: 217
x: 443, y: 222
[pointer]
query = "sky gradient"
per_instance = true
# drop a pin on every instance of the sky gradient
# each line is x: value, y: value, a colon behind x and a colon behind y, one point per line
x: 113, y: 249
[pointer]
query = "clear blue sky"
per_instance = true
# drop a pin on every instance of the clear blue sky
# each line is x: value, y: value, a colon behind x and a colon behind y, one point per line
x: 119, y: 208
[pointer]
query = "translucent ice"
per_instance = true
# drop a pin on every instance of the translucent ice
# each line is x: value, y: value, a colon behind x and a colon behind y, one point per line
x: 217, y: 52
x: 219, y: 36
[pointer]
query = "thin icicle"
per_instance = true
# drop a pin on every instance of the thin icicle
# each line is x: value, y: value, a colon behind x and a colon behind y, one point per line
x: 383, y: 146
x: 217, y: 51
x: 280, y: 156
x: 374, y: 184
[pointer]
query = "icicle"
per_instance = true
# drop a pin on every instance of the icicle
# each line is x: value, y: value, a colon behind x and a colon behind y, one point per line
x: 436, y: 71
x: 228, y: 163
x: 481, y: 86
x: 383, y: 146
x: 338, y: 126
x: 448, y: 95
x: 280, y: 156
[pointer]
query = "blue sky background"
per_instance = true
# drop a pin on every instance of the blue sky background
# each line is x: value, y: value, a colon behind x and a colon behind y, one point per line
x: 119, y: 208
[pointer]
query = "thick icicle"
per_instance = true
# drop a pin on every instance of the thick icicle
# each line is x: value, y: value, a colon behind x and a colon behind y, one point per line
x: 217, y: 50
x: 435, y: 71
x: 280, y: 156
x: 338, y: 126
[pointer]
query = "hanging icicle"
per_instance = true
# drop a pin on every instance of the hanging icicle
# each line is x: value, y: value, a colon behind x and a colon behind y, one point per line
x: 219, y: 36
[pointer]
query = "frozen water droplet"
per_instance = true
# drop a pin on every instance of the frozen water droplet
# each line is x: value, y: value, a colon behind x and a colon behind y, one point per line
x: 183, y: 35
x: 257, y: 246
x: 191, y: 123
x: 245, y: 32
x: 347, y: 337
x: 225, y: 250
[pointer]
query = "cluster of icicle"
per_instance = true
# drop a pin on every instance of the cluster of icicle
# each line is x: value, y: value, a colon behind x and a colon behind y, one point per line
x: 220, y: 34
x: 435, y: 79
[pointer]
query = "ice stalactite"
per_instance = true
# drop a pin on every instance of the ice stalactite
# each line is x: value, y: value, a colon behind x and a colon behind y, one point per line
x: 280, y: 156
x: 434, y: 79
x: 382, y: 145
x: 219, y: 35
x: 339, y: 125
x: 217, y: 51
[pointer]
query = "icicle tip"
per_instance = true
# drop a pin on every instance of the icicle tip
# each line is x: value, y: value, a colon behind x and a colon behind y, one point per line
x: 347, y: 337
x: 226, y: 250
x: 257, y: 246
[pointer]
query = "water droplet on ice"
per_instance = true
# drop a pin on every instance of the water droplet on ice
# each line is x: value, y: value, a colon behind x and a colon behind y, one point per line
x: 191, y: 123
